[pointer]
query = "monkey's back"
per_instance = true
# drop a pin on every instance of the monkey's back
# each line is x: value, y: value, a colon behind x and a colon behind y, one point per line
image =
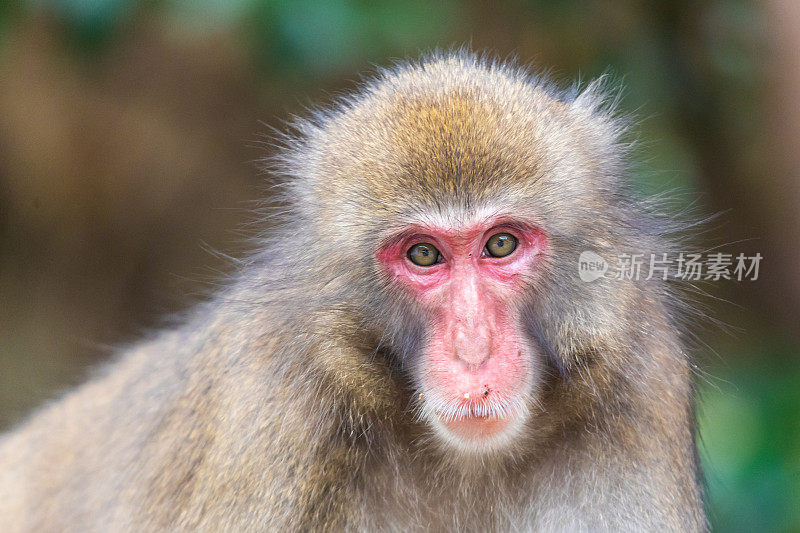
x: 190, y: 430
x: 74, y: 463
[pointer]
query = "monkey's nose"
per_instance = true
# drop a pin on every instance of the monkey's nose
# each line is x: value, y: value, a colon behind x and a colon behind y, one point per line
x: 472, y: 346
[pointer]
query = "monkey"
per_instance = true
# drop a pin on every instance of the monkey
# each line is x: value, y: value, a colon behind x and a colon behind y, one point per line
x: 409, y: 347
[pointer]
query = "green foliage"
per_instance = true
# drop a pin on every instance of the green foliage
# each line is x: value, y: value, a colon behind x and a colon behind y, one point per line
x: 328, y: 37
x: 8, y: 10
x: 750, y: 438
x: 91, y: 23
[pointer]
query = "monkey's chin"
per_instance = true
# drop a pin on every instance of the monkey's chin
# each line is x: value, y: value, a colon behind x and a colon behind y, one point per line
x: 477, y: 428
x: 480, y: 434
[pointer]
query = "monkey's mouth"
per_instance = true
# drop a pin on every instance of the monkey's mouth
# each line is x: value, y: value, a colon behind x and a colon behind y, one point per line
x: 479, y: 424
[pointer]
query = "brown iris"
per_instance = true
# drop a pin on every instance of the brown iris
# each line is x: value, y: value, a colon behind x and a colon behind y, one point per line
x: 423, y: 254
x: 501, y: 244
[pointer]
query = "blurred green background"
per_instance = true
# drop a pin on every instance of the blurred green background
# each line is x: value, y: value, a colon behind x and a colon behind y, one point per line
x: 128, y: 132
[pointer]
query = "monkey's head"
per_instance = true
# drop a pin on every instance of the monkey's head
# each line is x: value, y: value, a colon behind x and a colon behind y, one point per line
x: 447, y: 203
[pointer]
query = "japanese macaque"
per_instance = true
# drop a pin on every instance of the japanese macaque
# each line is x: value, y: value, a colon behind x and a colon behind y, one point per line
x: 410, y: 349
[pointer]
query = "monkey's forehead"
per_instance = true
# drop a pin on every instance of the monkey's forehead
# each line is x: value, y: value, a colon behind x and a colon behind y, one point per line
x: 455, y: 130
x: 451, y: 124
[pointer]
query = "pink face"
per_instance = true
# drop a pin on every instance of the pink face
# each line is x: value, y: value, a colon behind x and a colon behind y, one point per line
x: 476, y: 370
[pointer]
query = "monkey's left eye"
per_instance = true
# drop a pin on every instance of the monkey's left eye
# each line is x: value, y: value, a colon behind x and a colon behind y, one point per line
x: 501, y: 244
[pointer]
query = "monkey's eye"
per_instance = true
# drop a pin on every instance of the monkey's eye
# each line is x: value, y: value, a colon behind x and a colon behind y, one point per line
x: 501, y: 244
x: 423, y: 254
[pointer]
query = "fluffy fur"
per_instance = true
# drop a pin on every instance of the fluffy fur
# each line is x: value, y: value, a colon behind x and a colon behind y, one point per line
x: 289, y: 401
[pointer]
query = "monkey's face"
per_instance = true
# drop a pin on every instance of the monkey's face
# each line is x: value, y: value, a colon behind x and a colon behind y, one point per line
x: 476, y: 368
x: 473, y: 192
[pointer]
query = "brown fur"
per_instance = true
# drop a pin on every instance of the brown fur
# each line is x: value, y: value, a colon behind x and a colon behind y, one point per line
x: 289, y: 400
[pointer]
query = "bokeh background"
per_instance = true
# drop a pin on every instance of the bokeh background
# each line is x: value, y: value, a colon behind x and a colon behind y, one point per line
x: 129, y: 132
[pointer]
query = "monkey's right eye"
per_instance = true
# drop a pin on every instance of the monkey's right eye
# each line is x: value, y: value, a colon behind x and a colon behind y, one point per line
x: 423, y: 254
